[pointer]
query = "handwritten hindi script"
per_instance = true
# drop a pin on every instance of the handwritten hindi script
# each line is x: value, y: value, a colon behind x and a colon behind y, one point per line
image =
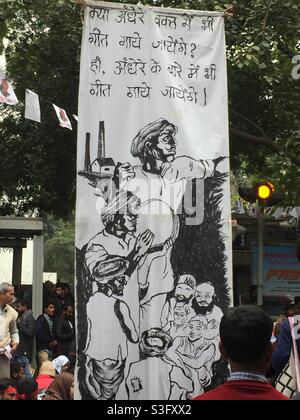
x: 130, y: 58
x: 153, y: 184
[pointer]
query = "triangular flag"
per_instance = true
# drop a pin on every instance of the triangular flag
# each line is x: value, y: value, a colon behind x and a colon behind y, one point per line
x: 7, y: 94
x: 63, y: 118
x: 75, y: 117
x: 32, y: 106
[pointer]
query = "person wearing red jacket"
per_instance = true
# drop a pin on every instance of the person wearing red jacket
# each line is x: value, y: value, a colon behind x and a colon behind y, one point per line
x: 245, y: 334
x: 45, y: 378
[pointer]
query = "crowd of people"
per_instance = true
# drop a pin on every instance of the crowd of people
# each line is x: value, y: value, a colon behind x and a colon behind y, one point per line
x: 246, y: 342
x: 37, y: 356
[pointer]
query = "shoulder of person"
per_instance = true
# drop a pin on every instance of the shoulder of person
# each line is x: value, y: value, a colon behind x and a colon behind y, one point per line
x: 12, y: 311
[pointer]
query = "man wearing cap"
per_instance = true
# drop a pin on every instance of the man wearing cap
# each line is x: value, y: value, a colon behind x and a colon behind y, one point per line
x: 119, y: 239
x: 162, y: 175
x: 107, y: 345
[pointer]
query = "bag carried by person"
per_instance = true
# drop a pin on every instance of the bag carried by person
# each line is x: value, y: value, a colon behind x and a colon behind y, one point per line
x: 288, y: 381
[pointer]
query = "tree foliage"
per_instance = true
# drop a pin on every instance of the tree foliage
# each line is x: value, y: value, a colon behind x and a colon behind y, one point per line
x: 59, y: 249
x: 38, y: 161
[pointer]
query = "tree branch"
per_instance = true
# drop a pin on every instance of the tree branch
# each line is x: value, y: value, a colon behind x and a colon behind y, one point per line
x: 267, y: 14
x: 242, y: 117
x: 265, y: 141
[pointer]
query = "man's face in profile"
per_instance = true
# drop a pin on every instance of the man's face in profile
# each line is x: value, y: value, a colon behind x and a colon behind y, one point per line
x: 166, y: 142
x: 131, y: 217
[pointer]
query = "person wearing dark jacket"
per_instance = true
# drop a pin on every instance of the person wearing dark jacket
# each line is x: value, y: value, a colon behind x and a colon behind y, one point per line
x: 26, y: 327
x: 46, y: 337
x: 245, y: 341
x: 282, y: 350
x: 65, y: 330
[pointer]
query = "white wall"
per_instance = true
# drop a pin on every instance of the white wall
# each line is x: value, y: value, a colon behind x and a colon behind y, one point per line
x: 6, y: 260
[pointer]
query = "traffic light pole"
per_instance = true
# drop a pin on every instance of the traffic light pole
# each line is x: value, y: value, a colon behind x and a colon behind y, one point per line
x: 260, y: 253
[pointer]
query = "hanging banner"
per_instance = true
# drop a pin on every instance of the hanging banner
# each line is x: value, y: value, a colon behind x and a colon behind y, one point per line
x: 153, y: 216
x: 7, y: 94
x: 62, y: 117
x: 32, y: 106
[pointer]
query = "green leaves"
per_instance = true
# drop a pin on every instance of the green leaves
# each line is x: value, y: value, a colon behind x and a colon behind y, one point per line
x: 38, y: 160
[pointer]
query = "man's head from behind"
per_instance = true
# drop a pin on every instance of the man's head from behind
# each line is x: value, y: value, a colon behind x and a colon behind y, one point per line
x: 7, y: 390
x: 245, y: 334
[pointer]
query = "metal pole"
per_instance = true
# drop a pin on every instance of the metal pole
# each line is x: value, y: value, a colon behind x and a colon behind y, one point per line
x: 37, y: 277
x: 260, y: 254
x: 17, y: 267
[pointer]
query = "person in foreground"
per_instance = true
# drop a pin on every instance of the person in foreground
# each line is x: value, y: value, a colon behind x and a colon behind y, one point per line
x: 245, y: 341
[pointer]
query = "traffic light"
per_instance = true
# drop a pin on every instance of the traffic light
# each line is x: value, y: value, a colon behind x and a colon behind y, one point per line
x: 264, y: 192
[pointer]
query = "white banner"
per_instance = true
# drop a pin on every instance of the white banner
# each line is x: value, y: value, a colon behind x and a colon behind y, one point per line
x: 153, y: 202
x: 32, y: 106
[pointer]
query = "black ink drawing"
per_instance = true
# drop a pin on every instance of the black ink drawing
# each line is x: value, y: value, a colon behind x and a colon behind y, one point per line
x: 154, y: 344
x: 152, y: 287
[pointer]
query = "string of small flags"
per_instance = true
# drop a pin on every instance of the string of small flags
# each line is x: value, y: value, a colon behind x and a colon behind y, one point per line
x: 32, y: 104
x: 274, y: 212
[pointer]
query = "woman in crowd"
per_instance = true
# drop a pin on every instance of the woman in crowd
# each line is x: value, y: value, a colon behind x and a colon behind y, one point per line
x: 62, y: 388
x: 61, y: 364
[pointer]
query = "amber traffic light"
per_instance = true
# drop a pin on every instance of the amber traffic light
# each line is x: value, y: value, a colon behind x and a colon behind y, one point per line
x: 264, y: 192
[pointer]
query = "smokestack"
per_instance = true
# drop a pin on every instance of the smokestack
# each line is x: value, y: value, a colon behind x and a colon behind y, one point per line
x: 101, y: 141
x: 87, y: 159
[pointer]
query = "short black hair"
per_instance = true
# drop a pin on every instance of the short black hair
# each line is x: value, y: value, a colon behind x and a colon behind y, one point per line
x: 24, y: 302
x: 48, y: 303
x: 15, y: 368
x: 245, y: 333
x: 4, y: 384
x: 27, y: 387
